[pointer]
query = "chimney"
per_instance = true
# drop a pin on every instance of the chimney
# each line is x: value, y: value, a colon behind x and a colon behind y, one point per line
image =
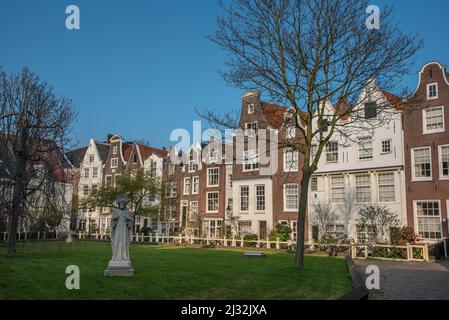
x: 108, y: 137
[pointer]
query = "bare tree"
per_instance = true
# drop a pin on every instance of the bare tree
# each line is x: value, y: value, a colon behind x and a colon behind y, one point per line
x: 322, y: 216
x: 34, y: 127
x: 315, y: 57
x: 380, y: 220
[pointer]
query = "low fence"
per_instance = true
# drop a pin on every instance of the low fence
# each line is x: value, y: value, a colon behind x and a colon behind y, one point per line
x: 415, y: 252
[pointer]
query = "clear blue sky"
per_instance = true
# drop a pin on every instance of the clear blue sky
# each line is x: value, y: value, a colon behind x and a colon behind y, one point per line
x: 139, y: 68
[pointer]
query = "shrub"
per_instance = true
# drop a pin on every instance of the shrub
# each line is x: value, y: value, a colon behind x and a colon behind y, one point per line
x: 402, y: 236
x: 282, y: 232
x: 250, y: 237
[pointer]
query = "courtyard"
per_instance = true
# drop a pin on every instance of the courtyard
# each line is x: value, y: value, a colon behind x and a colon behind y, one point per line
x: 163, y: 272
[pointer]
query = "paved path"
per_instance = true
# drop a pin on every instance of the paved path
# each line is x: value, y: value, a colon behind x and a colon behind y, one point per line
x: 409, y: 280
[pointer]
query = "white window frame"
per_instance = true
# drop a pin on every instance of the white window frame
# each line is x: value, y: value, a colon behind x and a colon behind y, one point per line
x: 379, y: 186
x: 171, y: 168
x: 112, y: 162
x: 428, y: 91
x: 424, y: 119
x: 344, y: 189
x: 86, y: 173
x: 250, y: 108
x: 209, y: 176
x: 240, y: 199
x: 185, y: 191
x: 412, y: 157
x: 251, y: 159
x: 252, y: 131
x: 390, y: 142
x: 285, y: 197
x: 440, y: 161
x: 361, y: 148
x: 91, y: 158
x: 264, y: 197
x: 363, y: 186
x: 191, y: 210
x: 95, y: 172
x: 207, y: 202
x: 415, y: 214
x: 289, y: 167
x: 114, y: 150
x: 333, y: 152
x: 195, y: 178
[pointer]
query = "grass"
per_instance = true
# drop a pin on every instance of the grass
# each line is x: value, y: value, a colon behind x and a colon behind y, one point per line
x: 38, y: 272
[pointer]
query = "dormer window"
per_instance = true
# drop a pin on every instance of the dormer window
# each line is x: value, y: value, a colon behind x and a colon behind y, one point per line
x: 192, y: 165
x: 432, y: 91
x: 135, y: 158
x: 370, y: 110
x: 91, y: 158
x: 114, y: 150
x: 250, y: 108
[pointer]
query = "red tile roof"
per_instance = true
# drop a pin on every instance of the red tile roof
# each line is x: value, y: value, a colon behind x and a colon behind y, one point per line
x: 274, y: 114
x: 394, y: 100
x: 146, y: 152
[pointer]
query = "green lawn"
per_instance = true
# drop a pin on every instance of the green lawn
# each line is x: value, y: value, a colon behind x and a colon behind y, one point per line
x: 161, y: 272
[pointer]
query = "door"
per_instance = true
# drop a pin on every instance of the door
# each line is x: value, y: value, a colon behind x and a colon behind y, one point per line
x: 184, y: 208
x: 262, y: 229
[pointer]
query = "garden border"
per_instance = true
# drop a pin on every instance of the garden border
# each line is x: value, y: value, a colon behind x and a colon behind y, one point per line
x: 359, y: 290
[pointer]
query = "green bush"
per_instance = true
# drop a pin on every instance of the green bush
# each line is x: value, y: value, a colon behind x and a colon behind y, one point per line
x: 146, y: 231
x: 282, y: 232
x: 250, y: 237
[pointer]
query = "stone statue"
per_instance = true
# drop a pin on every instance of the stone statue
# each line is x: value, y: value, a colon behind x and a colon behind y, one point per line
x: 121, y: 227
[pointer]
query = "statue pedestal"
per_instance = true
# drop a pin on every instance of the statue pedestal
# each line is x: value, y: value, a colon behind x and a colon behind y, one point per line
x: 119, y: 269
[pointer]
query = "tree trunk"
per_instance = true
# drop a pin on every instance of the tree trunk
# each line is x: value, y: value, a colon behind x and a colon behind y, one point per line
x: 302, y: 214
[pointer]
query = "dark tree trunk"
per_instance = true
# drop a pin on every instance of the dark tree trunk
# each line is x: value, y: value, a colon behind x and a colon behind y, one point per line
x: 302, y: 214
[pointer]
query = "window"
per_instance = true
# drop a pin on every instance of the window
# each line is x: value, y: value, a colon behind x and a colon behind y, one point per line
x: 251, y: 128
x: 433, y: 120
x: 324, y: 125
x: 153, y: 169
x: 338, y: 189
x: 91, y: 158
x: 230, y: 180
x: 171, y: 168
x: 260, y: 197
x: 187, y: 183
x: 171, y: 190
x: 212, y: 228
x: 108, y: 181
x: 86, y: 173
x: 291, y: 197
x: 422, y: 167
x: 432, y: 91
x: 250, y: 160
x: 213, y: 156
x: 117, y: 178
x: 114, y: 163
x: 196, y: 185
x: 193, y: 211
x: 291, y: 132
x: 192, y: 165
x: 135, y: 157
x: 366, y: 234
x: 429, y: 219
x: 370, y: 110
x: 444, y: 162
x: 290, y: 160
x: 95, y: 172
x: 94, y: 188
x: 244, y: 228
x: 386, y: 146
x: 386, y: 187
x: 85, y: 190
x: 114, y: 150
x: 213, y: 177
x: 250, y: 108
x: 365, y: 148
x: 314, y: 184
x: 363, y: 188
x: 212, y: 201
x: 294, y: 227
x: 244, y: 198
x: 332, y: 152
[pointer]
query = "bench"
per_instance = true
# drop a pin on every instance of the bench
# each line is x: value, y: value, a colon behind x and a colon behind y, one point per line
x: 254, y: 254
